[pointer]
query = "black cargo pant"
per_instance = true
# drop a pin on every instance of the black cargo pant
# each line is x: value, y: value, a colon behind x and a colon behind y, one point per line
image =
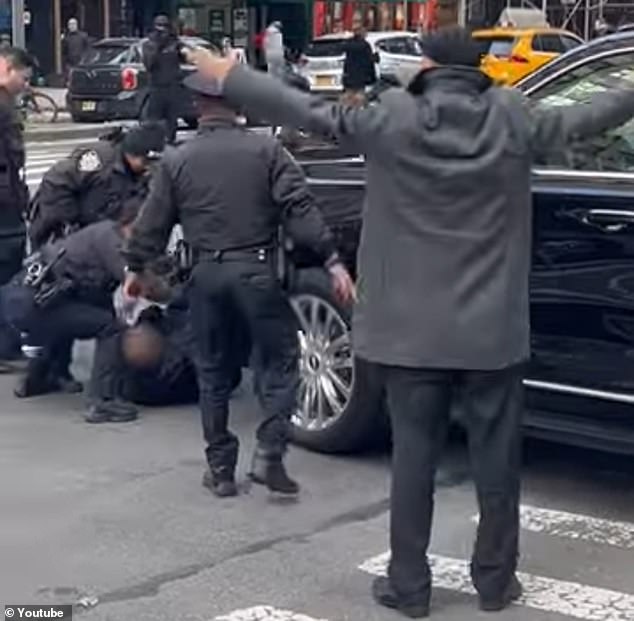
x: 163, y: 106
x: 419, y: 401
x: 56, y: 327
x: 240, y: 286
x: 12, y: 251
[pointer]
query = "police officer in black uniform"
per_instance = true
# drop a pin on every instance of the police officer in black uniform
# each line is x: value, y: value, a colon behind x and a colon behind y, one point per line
x: 231, y: 189
x: 73, y: 301
x: 162, y: 57
x: 94, y: 183
x: 16, y: 68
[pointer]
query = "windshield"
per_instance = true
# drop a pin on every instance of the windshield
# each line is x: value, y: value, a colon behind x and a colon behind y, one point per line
x: 327, y: 47
x: 501, y: 47
x: 106, y: 55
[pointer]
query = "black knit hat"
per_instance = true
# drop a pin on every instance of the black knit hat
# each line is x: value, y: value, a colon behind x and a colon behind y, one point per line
x: 144, y: 141
x: 452, y: 45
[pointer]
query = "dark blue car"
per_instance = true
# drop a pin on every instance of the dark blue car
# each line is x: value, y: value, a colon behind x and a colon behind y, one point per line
x: 580, y: 380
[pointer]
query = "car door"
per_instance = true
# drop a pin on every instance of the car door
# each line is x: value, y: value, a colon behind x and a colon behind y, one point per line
x: 395, y: 53
x: 582, y: 284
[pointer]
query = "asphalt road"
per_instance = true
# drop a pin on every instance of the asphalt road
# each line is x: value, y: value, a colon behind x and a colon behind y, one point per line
x: 115, y: 516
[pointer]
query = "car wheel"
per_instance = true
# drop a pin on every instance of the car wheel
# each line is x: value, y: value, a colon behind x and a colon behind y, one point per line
x: 340, y: 400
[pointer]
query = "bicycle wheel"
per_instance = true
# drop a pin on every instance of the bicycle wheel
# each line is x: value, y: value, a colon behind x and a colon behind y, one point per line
x: 41, y: 108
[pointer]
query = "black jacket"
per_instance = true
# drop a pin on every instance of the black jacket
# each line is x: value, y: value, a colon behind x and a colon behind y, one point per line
x: 229, y: 188
x: 74, y: 45
x: 13, y: 190
x: 358, y: 67
x: 162, y: 57
x: 92, y: 261
x: 92, y: 184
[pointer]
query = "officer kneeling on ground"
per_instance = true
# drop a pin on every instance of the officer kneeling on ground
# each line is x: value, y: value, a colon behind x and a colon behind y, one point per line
x: 231, y: 189
x: 94, y: 183
x: 65, y: 293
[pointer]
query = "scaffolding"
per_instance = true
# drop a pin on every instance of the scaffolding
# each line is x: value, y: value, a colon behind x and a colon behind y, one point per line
x: 580, y: 16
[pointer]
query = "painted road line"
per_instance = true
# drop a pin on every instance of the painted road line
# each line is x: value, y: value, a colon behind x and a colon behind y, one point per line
x: 265, y: 613
x: 577, y: 527
x: 575, y: 600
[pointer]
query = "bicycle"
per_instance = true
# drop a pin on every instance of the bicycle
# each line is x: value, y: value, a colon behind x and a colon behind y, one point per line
x: 39, y: 107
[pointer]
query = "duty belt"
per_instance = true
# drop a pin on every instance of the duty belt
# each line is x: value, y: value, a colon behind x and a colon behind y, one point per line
x: 259, y: 254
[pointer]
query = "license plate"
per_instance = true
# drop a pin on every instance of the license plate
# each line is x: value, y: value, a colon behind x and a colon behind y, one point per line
x: 324, y: 80
x: 88, y: 106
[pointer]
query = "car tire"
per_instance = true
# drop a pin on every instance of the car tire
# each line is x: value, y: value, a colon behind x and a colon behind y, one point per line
x: 361, y: 421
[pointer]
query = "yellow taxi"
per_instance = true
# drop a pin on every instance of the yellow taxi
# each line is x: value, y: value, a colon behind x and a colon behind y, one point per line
x: 510, y: 54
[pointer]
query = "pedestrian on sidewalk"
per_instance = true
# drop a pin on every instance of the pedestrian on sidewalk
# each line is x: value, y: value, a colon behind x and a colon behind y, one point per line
x: 75, y: 43
x: 444, y: 265
x: 16, y: 69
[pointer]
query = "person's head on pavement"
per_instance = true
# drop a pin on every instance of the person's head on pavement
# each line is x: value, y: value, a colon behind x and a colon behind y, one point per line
x: 16, y: 70
x: 141, y: 145
x: 209, y: 101
x: 73, y: 25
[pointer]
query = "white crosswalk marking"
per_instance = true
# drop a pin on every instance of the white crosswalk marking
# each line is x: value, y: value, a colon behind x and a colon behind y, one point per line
x: 265, y: 613
x: 576, y: 527
x: 575, y: 600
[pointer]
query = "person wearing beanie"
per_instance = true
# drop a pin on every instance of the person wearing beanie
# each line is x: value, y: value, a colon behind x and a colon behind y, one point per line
x: 443, y: 294
x: 94, y: 182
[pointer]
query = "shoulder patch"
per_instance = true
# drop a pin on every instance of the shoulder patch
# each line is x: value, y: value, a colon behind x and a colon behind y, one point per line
x: 89, y: 162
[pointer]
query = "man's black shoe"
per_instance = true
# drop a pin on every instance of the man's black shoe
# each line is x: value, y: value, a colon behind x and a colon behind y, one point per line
x: 272, y: 473
x: 384, y: 595
x: 222, y: 485
x: 512, y: 593
x: 111, y: 412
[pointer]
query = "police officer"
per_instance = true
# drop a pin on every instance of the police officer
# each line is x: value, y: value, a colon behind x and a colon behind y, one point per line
x: 230, y: 189
x: 94, y: 183
x: 75, y: 303
x: 16, y: 68
x: 162, y: 57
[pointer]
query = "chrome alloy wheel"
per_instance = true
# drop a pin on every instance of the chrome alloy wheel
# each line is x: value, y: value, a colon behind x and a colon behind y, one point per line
x: 326, y: 363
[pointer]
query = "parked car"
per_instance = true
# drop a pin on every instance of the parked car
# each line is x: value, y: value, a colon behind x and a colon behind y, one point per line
x: 322, y: 63
x: 111, y: 83
x: 580, y: 379
x: 510, y: 54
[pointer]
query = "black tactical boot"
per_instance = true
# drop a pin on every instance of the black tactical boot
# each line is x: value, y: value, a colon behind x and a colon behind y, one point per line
x: 36, y: 381
x: 384, y: 595
x: 111, y: 411
x: 221, y: 482
x: 512, y: 593
x: 268, y: 469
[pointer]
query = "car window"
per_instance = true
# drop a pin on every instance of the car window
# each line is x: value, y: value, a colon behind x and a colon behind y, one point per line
x: 327, y: 47
x: 136, y: 55
x: 614, y: 149
x: 501, y: 47
x: 106, y: 55
x: 548, y: 43
x: 569, y: 43
x: 413, y: 46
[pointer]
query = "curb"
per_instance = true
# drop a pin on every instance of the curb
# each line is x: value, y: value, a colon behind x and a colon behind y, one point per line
x: 51, y: 133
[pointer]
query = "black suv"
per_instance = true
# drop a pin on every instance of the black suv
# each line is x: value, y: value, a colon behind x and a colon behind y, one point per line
x: 580, y: 380
x: 111, y: 82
